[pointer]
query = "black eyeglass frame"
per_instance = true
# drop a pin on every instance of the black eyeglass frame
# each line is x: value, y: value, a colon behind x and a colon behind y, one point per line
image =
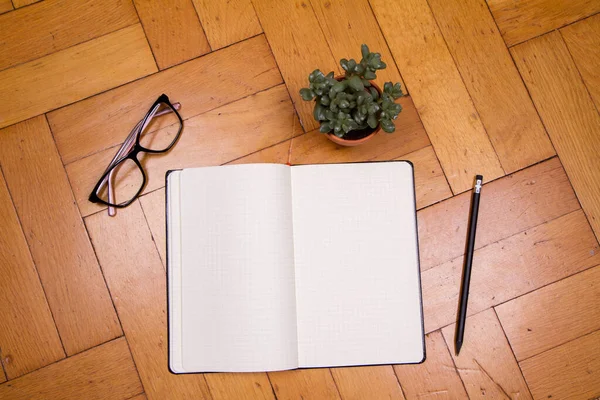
x: 132, y: 155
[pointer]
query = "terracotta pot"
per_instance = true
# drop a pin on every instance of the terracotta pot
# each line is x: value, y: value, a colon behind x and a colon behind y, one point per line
x: 354, y: 142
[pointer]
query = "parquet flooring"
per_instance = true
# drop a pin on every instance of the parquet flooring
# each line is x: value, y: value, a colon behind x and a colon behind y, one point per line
x: 506, y: 88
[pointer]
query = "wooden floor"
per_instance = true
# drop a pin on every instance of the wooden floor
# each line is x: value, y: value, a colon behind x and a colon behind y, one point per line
x: 509, y: 89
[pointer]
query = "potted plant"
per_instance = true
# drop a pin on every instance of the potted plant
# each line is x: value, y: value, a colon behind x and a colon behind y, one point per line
x: 352, y: 108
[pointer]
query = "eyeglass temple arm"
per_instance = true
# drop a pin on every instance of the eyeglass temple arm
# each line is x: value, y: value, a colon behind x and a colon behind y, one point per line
x: 124, y: 149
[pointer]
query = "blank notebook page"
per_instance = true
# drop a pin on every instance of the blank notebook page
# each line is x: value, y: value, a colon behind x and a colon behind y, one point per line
x: 356, y: 264
x: 238, y: 309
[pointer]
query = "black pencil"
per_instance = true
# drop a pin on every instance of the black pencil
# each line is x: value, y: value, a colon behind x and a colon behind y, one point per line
x: 466, y: 277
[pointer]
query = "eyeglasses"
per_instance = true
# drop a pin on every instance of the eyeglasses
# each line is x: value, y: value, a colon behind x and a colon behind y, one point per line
x: 125, y: 178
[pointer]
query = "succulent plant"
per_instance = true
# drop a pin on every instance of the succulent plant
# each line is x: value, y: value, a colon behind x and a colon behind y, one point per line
x: 352, y: 102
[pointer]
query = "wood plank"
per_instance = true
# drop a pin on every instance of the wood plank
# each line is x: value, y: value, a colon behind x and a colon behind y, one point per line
x: 299, y: 46
x: 227, y: 22
x: 583, y: 40
x: 378, y: 382
x: 28, y: 336
x: 510, y: 121
x: 430, y: 183
x: 436, y: 377
x: 23, y: 3
x: 139, y: 397
x: 41, y: 85
x: 568, y: 371
x: 304, y: 384
x: 2, y: 374
x: 153, y: 205
x: 229, y: 386
x: 511, y: 267
x: 105, y: 120
x: 508, y: 206
x: 173, y: 30
x: 54, y: 25
x: 137, y: 282
x: 552, y: 315
x: 104, y: 372
x: 486, y: 363
x: 436, y: 87
x: 347, y: 26
x: 278, y: 154
x: 315, y: 148
x: 59, y: 243
x: 523, y: 20
x: 569, y: 115
x: 5, y: 6
x: 212, y: 138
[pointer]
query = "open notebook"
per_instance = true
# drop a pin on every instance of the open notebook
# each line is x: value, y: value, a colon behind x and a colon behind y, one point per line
x: 272, y: 267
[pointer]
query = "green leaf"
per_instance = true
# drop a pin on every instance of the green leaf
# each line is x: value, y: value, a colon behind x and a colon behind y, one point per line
x: 355, y: 83
x: 339, y: 87
x: 344, y: 64
x: 370, y: 75
x: 387, y: 87
x: 319, y: 112
x: 364, y: 49
x: 387, y: 125
x: 372, y: 121
x: 374, y: 93
x: 344, y: 104
x: 325, y: 127
x: 307, y: 94
x: 324, y: 100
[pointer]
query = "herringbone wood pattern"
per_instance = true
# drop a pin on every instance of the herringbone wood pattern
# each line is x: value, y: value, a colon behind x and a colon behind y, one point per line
x: 506, y: 88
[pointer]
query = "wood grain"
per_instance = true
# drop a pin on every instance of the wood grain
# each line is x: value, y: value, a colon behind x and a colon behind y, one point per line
x: 2, y: 374
x: 486, y: 363
x: 5, y: 6
x: 430, y: 183
x: 229, y: 386
x: 511, y: 267
x: 509, y: 205
x: 104, y: 372
x: 153, y: 205
x: 436, y: 87
x: 221, y: 77
x: 69, y: 75
x: 54, y: 25
x: 552, y: 315
x: 493, y: 82
x: 374, y: 383
x: 523, y: 20
x: 436, y: 378
x: 304, y: 384
x: 227, y: 22
x: 59, y: 243
x: 569, y: 114
x: 299, y: 46
x: 212, y: 138
x: 173, y: 30
x: 137, y: 281
x: 28, y: 336
x: 583, y: 40
x: 139, y: 397
x: 23, y: 3
x: 347, y: 26
x: 568, y: 371
x: 278, y: 154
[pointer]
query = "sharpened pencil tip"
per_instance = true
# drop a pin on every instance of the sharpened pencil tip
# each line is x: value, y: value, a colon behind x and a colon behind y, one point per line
x: 457, y: 346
